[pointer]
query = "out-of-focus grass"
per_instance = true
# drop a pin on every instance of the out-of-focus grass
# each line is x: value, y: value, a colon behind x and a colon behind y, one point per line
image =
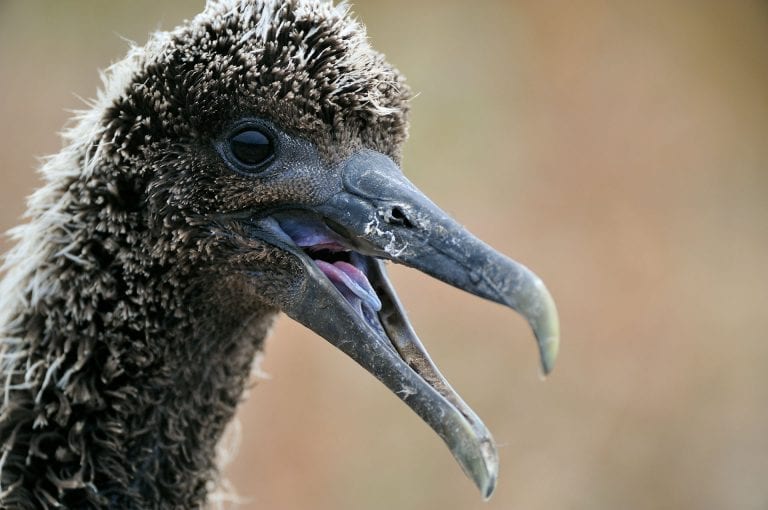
x: 619, y: 149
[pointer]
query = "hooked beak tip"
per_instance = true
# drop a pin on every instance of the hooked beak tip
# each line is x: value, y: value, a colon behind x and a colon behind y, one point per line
x: 488, y: 486
x: 541, y: 312
x: 483, y: 470
x: 488, y: 490
x: 548, y: 349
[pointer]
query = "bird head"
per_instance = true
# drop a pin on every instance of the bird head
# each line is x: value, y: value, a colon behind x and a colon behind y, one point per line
x: 263, y: 139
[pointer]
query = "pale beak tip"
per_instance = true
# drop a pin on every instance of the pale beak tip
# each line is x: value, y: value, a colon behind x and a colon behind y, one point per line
x: 545, y: 323
x: 488, y: 489
x: 480, y: 463
x: 486, y: 480
x: 548, y: 349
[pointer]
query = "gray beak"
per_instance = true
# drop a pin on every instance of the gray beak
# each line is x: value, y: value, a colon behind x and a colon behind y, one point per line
x: 378, y: 214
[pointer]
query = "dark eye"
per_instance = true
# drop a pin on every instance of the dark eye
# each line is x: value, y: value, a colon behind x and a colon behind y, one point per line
x: 251, y: 149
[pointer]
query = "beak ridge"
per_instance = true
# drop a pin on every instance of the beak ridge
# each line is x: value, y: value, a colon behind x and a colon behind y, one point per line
x: 378, y: 214
x: 389, y: 217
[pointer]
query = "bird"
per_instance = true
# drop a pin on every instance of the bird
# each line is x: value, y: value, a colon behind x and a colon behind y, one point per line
x: 244, y: 164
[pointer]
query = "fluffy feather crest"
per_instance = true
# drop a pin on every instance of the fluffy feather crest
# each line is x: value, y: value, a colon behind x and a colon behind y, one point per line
x: 311, y: 56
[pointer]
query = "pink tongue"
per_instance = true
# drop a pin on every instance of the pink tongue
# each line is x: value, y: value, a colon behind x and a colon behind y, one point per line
x: 347, y: 277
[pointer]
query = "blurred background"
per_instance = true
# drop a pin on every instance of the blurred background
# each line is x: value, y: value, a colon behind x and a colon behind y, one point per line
x: 620, y: 149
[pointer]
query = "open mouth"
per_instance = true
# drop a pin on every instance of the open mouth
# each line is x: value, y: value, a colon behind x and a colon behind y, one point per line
x: 345, y: 268
x: 362, y: 282
x: 345, y: 295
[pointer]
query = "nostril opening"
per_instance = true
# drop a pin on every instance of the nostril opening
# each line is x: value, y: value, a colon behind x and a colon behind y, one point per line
x: 398, y: 217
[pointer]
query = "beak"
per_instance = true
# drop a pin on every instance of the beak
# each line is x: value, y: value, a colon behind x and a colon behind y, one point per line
x: 348, y: 300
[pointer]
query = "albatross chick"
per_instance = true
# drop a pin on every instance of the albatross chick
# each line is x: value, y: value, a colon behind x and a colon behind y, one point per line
x: 243, y: 164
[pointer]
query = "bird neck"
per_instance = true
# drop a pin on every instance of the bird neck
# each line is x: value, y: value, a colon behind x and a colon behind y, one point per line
x: 119, y: 377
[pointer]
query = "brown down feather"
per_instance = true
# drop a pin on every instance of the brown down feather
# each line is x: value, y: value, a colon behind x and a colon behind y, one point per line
x: 127, y: 331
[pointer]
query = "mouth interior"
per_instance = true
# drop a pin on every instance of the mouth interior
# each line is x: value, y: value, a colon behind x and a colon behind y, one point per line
x: 343, y: 266
x: 361, y: 281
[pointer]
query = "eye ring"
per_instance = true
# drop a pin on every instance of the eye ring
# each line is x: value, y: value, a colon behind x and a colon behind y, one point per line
x: 250, y: 149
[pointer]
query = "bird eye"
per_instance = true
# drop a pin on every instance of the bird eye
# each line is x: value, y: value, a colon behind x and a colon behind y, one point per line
x: 251, y: 149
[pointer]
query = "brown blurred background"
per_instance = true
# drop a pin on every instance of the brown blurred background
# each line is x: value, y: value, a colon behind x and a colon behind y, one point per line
x: 618, y: 148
